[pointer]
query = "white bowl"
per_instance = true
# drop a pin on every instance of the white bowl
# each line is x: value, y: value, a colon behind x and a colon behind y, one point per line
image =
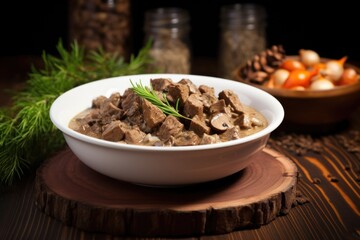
x: 164, y: 166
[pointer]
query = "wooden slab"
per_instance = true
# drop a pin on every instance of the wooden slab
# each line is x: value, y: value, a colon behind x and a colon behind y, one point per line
x: 78, y: 196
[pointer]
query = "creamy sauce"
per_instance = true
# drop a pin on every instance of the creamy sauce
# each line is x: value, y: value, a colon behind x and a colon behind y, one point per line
x: 152, y: 139
x: 204, y: 117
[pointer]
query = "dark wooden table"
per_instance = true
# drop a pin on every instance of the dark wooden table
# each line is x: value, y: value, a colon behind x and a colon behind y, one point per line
x: 327, y: 206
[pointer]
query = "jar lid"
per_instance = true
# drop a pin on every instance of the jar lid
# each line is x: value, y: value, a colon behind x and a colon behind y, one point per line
x: 166, y: 17
x: 242, y: 14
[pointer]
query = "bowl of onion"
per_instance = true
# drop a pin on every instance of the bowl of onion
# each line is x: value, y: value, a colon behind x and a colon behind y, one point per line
x: 317, y: 93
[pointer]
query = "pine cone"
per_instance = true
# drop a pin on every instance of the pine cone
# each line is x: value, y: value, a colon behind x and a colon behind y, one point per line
x: 261, y: 66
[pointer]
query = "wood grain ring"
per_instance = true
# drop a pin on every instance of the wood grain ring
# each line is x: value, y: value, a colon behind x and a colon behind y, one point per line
x: 71, y: 192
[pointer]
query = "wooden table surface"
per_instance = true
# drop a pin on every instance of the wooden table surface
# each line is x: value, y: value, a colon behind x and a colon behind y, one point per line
x: 327, y: 206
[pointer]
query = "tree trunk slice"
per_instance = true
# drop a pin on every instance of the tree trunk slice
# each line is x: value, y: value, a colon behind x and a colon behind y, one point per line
x: 69, y: 191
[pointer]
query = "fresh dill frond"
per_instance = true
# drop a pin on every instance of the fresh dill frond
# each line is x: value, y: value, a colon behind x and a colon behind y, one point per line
x: 27, y: 135
x: 149, y: 94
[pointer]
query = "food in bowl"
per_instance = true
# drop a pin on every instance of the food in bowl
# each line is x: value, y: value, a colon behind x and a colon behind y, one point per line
x: 169, y: 114
x: 164, y: 166
x: 306, y: 71
x: 307, y: 110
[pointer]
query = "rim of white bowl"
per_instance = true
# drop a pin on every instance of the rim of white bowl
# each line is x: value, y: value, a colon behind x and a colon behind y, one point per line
x: 275, y: 123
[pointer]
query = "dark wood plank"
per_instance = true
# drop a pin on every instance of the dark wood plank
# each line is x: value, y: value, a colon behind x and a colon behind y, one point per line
x: 329, y: 213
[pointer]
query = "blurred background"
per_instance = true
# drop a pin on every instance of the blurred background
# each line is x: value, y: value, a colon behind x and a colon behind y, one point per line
x: 31, y: 27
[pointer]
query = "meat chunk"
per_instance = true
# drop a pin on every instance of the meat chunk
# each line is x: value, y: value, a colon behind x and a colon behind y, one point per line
x: 114, y: 132
x: 131, y: 105
x: 199, y: 126
x: 206, y: 89
x: 92, y: 117
x: 231, y: 134
x: 178, y: 91
x: 134, y: 115
x: 170, y: 127
x: 97, y: 102
x: 247, y: 121
x: 160, y: 84
x: 192, y: 87
x: 115, y: 99
x: 243, y: 121
x: 218, y: 107
x: 134, y: 136
x: 129, y: 98
x: 208, y: 96
x: 232, y: 99
x: 88, y: 124
x: 193, y: 106
x: 153, y: 116
x: 208, y: 100
x: 109, y: 109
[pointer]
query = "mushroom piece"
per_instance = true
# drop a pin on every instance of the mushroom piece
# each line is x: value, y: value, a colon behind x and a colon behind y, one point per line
x: 220, y: 122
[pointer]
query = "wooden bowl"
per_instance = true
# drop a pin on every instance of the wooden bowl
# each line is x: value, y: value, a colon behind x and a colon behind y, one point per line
x: 315, y: 110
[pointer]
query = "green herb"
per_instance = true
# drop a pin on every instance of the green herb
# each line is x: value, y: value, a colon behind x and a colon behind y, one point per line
x: 149, y: 94
x: 27, y: 135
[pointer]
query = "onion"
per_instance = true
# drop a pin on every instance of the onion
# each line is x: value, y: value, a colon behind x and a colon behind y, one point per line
x: 334, y: 69
x: 280, y: 77
x: 322, y: 84
x: 349, y: 76
x: 309, y: 57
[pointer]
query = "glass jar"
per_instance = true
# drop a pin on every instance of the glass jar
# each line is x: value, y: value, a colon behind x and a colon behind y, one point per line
x: 101, y: 23
x: 168, y: 29
x: 242, y: 35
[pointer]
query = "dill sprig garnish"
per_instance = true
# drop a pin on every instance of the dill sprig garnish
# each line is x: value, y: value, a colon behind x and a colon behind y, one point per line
x: 149, y: 94
x: 27, y: 135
